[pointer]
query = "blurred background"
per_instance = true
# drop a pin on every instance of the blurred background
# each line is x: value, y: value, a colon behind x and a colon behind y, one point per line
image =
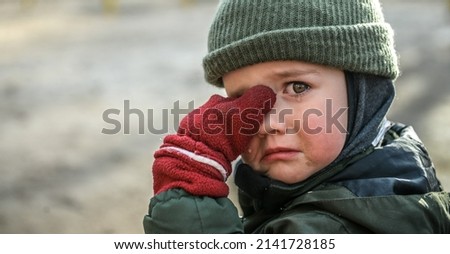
x: 64, y: 63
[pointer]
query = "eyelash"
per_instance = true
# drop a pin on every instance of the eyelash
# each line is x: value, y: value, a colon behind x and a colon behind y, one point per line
x: 305, y: 86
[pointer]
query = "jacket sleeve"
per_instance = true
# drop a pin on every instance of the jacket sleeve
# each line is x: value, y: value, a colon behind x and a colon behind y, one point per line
x: 175, y: 212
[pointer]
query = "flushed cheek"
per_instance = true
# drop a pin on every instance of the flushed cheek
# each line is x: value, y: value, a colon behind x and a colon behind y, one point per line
x: 325, y: 139
x: 322, y: 143
x: 301, y: 122
x: 323, y: 148
x: 253, y: 153
x: 313, y: 120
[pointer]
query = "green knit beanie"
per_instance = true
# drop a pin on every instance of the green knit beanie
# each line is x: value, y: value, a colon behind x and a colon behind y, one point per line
x: 347, y: 34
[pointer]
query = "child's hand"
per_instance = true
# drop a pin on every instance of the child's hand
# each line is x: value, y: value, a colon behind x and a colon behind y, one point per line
x: 227, y: 124
x: 198, y: 159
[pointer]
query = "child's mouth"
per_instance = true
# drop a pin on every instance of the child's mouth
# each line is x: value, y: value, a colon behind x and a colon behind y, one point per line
x: 279, y: 153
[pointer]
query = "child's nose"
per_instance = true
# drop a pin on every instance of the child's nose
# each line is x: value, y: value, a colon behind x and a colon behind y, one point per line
x: 274, y: 121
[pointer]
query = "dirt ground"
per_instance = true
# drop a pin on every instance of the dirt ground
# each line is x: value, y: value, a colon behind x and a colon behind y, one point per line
x: 64, y: 63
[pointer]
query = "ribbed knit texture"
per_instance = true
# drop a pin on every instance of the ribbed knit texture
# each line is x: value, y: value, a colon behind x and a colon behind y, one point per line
x: 347, y: 34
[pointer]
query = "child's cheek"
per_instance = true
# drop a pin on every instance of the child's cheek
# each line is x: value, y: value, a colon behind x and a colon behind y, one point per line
x: 250, y: 154
x: 312, y: 123
x: 325, y: 147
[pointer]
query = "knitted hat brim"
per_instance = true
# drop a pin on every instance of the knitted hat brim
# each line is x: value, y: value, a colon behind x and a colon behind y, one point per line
x: 364, y: 48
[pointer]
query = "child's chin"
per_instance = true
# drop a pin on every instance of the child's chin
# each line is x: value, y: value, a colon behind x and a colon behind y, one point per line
x: 289, y: 174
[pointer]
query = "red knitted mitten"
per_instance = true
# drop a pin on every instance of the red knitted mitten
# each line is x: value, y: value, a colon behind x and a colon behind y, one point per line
x: 198, y: 158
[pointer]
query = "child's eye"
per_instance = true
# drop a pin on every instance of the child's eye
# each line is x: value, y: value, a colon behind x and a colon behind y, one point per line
x: 296, y: 88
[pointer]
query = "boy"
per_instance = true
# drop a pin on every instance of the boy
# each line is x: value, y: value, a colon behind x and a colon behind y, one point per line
x: 309, y: 84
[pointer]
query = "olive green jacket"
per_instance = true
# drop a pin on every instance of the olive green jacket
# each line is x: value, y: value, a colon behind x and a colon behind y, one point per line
x: 387, y: 189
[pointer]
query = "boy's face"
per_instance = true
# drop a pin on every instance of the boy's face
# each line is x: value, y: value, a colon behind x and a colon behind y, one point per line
x: 306, y: 129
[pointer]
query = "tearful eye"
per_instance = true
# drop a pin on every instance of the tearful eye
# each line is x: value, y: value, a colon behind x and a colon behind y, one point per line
x: 296, y: 88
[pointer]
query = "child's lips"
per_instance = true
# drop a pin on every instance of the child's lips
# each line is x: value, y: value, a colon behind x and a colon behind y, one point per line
x: 279, y: 153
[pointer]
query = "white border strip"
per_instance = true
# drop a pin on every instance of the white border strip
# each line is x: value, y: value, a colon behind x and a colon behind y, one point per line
x: 219, y: 243
x: 201, y: 159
